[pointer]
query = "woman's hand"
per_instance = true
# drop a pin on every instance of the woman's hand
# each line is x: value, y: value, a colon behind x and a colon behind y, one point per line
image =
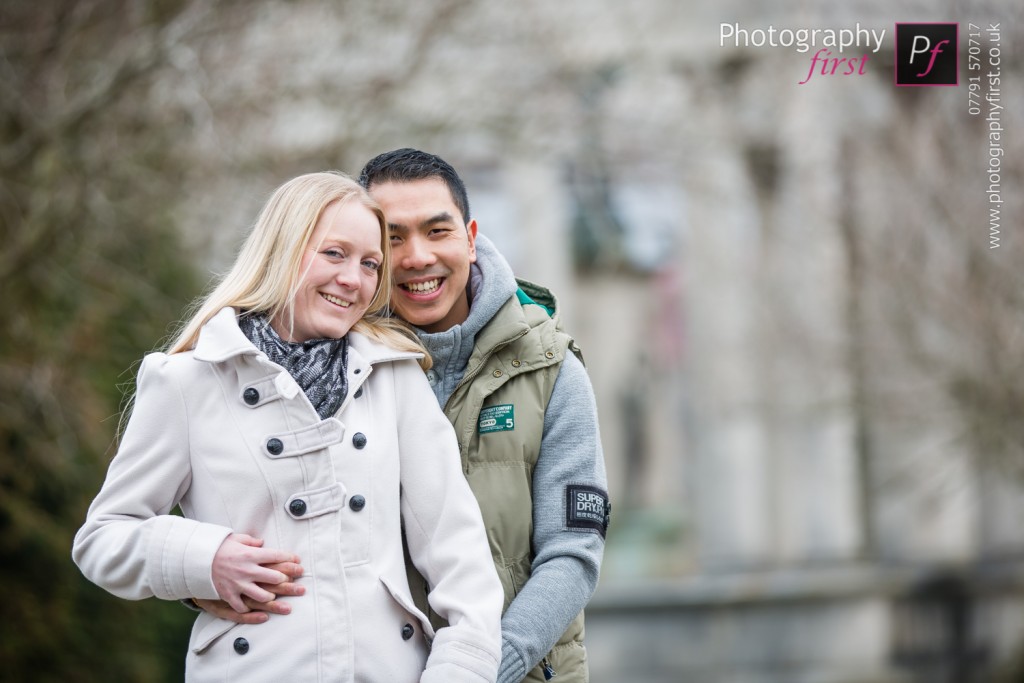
x: 259, y: 612
x: 243, y: 571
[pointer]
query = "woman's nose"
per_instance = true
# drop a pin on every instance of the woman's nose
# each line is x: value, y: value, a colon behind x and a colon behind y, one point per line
x: 348, y: 275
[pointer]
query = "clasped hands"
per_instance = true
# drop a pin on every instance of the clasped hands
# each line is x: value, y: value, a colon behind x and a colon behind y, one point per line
x: 249, y: 578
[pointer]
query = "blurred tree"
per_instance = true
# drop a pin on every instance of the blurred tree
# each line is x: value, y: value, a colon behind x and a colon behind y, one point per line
x: 92, y: 271
x: 944, y: 282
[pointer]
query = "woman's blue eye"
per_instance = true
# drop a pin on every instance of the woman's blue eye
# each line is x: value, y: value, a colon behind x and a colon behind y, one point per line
x: 372, y: 265
x: 334, y: 253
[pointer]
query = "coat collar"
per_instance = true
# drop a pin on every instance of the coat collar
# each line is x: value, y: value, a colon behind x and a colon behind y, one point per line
x: 221, y: 339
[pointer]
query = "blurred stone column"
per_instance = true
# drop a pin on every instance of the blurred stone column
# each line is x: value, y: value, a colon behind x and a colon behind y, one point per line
x: 809, y: 388
x: 538, y: 238
x: 729, y: 492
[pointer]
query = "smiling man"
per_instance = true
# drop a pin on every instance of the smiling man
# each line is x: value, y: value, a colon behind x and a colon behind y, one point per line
x: 437, y: 249
x: 511, y: 382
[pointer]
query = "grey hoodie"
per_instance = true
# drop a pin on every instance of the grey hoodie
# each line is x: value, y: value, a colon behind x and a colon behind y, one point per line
x: 566, y: 563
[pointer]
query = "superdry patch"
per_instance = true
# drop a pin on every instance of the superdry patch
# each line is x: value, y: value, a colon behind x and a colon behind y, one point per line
x: 587, y: 507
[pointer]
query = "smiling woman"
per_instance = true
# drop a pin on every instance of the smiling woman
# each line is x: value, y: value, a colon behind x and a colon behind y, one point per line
x: 292, y: 423
x: 339, y: 275
x: 305, y: 233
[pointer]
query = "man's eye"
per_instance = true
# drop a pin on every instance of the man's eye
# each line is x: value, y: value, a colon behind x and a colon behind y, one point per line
x: 395, y: 239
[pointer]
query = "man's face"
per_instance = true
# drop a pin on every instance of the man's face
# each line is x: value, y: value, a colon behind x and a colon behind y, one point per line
x: 432, y: 249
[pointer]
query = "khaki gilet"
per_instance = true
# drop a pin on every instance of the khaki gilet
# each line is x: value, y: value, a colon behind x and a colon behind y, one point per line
x: 497, y: 410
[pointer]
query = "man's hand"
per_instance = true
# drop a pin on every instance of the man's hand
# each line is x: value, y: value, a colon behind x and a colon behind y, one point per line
x: 247, y: 575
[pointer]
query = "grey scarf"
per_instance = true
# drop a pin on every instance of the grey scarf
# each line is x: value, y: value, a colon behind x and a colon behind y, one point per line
x: 319, y: 366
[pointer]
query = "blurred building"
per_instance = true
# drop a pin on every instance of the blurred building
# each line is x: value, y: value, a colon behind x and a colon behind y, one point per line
x: 803, y: 346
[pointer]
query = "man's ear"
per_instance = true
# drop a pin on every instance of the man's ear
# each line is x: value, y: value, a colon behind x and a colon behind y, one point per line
x: 471, y: 233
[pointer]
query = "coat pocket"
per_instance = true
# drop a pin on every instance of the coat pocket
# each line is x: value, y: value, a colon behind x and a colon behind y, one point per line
x: 205, y: 634
x: 401, y: 595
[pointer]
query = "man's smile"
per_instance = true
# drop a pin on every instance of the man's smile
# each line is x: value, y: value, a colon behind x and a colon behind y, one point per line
x: 424, y: 287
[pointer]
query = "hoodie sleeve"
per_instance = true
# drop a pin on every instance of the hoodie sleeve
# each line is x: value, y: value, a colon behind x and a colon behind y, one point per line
x: 568, y: 548
x: 130, y: 544
x: 446, y: 538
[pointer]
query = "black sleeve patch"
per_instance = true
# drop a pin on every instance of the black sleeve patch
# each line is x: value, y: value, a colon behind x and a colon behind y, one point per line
x: 587, y: 507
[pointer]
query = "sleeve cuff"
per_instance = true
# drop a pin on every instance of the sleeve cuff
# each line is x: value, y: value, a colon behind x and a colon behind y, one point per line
x: 457, y: 661
x: 512, y: 668
x: 185, y: 559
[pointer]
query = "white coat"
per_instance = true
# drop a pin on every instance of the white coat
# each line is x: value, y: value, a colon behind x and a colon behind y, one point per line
x: 231, y: 438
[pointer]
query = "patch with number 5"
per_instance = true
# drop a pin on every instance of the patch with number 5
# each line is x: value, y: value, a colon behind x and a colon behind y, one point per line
x: 497, y: 419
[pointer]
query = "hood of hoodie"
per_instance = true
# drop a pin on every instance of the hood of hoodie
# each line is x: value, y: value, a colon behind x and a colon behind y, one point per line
x: 491, y: 284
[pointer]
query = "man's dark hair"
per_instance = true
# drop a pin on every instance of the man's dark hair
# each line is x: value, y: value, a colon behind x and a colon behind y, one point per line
x: 406, y: 165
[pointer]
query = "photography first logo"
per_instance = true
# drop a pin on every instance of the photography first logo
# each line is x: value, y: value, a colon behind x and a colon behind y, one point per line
x: 824, y: 61
x: 926, y: 54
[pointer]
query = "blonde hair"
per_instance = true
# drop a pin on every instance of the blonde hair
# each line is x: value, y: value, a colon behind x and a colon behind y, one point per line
x: 265, y: 276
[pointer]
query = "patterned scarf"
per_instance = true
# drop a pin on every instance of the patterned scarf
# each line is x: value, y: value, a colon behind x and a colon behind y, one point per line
x: 319, y: 366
